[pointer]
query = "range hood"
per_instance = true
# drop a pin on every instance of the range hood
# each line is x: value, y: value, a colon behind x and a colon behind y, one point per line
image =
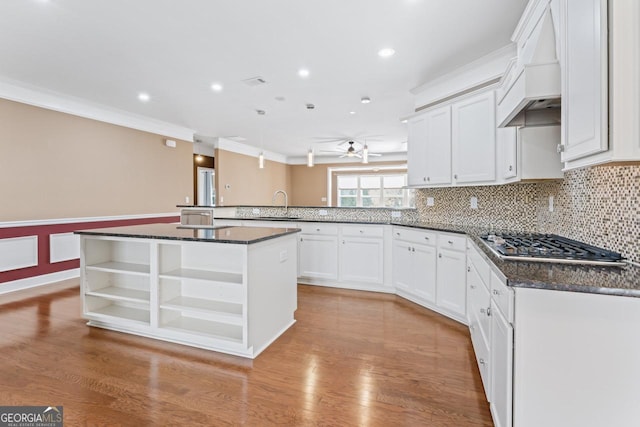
x: 530, y: 90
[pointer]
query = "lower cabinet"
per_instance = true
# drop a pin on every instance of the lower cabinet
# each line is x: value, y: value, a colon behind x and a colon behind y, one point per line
x: 451, y: 293
x: 414, y: 264
x: 317, y: 256
x: 361, y: 254
x: 502, y: 368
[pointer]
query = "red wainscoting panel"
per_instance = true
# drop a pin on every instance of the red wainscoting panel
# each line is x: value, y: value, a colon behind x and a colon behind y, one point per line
x: 43, y: 232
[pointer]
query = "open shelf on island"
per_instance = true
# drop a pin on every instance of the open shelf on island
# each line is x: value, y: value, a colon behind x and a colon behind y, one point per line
x: 122, y: 294
x: 207, y: 328
x: 120, y: 267
x: 226, y: 312
x: 212, y: 276
x: 137, y: 315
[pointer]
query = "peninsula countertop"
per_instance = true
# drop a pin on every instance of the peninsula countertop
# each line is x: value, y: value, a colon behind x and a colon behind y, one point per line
x: 237, y: 235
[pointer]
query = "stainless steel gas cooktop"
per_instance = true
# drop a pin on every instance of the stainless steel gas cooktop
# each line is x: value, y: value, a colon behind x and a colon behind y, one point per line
x: 548, y: 248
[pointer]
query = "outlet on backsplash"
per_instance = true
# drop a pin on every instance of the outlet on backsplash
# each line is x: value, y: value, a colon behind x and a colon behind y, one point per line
x: 430, y: 201
x: 473, y: 202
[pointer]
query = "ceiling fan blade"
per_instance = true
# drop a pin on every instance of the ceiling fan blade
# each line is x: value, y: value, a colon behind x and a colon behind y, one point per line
x: 375, y: 154
x: 332, y: 151
x: 344, y: 155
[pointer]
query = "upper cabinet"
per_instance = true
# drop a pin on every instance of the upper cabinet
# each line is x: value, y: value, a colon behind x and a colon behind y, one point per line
x: 429, y: 160
x: 454, y: 143
x: 584, y: 78
x: 600, y: 62
x: 473, y: 139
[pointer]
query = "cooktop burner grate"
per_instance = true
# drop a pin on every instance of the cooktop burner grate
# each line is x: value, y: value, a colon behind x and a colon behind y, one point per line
x: 548, y: 247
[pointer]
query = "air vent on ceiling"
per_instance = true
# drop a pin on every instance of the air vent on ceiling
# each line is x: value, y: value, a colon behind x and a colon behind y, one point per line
x: 255, y: 81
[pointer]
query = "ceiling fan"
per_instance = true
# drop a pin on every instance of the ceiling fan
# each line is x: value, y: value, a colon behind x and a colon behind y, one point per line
x: 351, y: 147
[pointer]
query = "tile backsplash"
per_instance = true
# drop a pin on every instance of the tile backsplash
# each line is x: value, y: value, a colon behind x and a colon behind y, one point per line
x: 598, y: 205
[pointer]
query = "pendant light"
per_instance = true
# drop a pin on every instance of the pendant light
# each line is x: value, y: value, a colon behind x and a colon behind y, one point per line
x: 365, y: 153
x: 310, y: 158
x: 261, y: 155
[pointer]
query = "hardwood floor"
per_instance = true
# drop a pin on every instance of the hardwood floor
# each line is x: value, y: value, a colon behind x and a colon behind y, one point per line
x: 352, y: 358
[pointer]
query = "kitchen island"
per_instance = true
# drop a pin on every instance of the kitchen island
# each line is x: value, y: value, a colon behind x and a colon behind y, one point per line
x: 228, y: 289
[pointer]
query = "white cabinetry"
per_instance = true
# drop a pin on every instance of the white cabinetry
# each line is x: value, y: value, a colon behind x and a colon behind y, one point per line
x: 584, y: 78
x: 501, y: 401
x: 233, y: 298
x: 361, y: 254
x: 318, y: 251
x: 473, y: 136
x: 451, y: 275
x: 478, y: 312
x: 414, y: 264
x: 532, y: 155
x: 429, y: 157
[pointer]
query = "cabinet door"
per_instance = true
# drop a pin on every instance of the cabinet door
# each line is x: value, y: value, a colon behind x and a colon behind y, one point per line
x: 438, y: 149
x: 361, y: 260
x: 402, y: 266
x: 473, y: 136
x: 501, y: 369
x: 424, y: 272
x: 318, y: 256
x: 451, y: 282
x: 507, y: 139
x: 584, y: 78
x: 417, y: 151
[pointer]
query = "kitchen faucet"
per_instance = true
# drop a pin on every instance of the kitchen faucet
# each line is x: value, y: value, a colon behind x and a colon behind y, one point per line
x: 286, y: 200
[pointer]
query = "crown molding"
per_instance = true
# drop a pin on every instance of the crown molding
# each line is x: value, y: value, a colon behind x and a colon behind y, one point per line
x: 247, y: 150
x: 20, y: 92
x: 320, y: 160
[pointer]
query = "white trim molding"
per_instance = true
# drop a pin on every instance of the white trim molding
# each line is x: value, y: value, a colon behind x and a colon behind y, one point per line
x: 39, y: 97
x: 18, y: 252
x: 33, y: 222
x: 35, y: 281
x: 63, y: 247
x: 247, y: 150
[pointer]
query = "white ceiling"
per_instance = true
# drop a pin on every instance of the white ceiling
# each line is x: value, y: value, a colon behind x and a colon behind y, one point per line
x: 107, y: 51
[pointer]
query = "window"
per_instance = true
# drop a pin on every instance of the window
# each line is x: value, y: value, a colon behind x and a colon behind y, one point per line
x: 374, y: 191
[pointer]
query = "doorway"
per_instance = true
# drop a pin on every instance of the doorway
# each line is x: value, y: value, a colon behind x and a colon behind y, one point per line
x: 206, y: 186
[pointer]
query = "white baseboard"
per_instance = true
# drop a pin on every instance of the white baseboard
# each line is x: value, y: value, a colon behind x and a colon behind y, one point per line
x: 32, y: 282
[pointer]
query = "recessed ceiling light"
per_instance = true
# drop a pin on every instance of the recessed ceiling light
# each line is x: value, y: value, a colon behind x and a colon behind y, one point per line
x: 303, y: 72
x: 365, y: 100
x: 352, y: 112
x: 216, y: 87
x: 386, y: 52
x: 144, y: 97
x: 404, y: 121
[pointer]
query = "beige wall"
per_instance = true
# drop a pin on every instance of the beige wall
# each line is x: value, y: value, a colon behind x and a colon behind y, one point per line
x: 309, y: 185
x: 56, y: 165
x: 248, y: 184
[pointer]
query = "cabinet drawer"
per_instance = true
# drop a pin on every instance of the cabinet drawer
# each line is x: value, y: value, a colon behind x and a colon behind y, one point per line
x: 483, y: 354
x: 503, y: 296
x: 415, y: 236
x: 362, y: 230
x: 451, y: 241
x: 319, y: 228
x: 480, y: 262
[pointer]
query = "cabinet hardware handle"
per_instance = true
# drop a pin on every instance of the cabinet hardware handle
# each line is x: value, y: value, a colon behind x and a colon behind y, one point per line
x: 413, y: 249
x: 301, y: 239
x: 397, y: 233
x: 428, y: 179
x: 468, y: 269
x: 560, y: 148
x: 426, y: 238
x: 483, y: 311
x: 496, y: 292
x: 361, y: 231
x: 409, y: 248
x: 439, y: 255
x: 510, y: 168
x: 455, y: 176
x: 317, y: 229
x: 472, y: 286
x: 424, y: 178
x: 481, y: 361
x: 450, y: 242
x: 343, y: 242
x: 488, y: 311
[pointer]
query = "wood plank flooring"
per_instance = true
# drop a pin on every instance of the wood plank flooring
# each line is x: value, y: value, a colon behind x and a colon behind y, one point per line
x: 352, y: 359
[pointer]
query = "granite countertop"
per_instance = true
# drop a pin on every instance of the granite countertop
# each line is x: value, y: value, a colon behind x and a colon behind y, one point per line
x: 621, y: 281
x: 237, y: 235
x: 292, y: 207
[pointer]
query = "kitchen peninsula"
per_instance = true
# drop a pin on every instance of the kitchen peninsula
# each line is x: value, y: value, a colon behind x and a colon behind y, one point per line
x: 228, y: 289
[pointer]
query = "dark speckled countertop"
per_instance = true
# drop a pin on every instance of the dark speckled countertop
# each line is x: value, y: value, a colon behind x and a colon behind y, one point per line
x: 621, y: 281
x: 237, y: 235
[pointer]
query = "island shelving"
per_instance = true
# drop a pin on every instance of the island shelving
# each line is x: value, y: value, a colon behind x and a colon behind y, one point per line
x: 229, y: 289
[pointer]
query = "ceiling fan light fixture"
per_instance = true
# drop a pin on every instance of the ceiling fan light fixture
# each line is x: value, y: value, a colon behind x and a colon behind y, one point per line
x: 365, y: 100
x: 261, y: 160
